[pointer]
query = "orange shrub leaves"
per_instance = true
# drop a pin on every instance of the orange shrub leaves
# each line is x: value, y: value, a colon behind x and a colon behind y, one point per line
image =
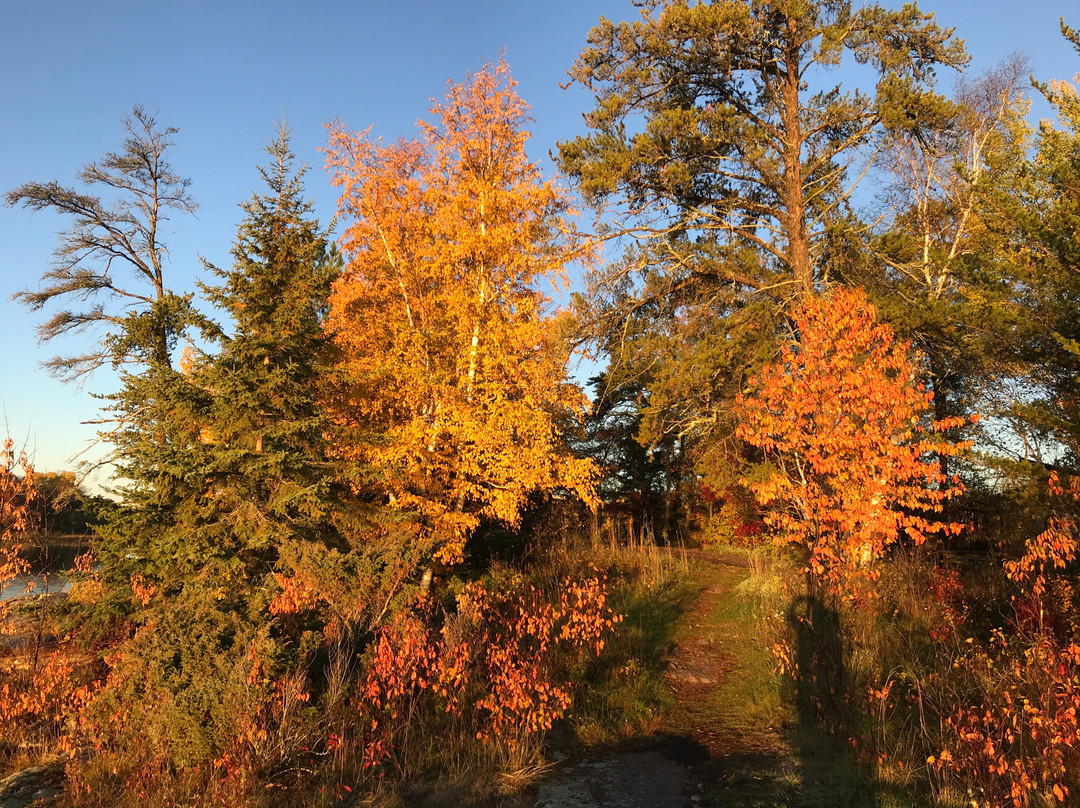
x: 499, y: 664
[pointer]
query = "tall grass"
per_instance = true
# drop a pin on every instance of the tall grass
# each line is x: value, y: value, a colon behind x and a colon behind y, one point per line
x: 623, y: 697
x: 949, y: 683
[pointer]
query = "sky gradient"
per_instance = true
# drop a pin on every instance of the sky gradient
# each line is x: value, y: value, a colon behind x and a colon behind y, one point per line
x: 223, y: 73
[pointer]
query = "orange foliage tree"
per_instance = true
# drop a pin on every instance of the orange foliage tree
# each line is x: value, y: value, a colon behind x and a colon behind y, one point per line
x: 840, y: 422
x: 452, y: 374
x: 21, y: 504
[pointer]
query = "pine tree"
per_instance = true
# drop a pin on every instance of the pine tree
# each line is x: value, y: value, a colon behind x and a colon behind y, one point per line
x: 941, y: 267
x: 268, y: 475
x: 730, y: 177
x: 109, y: 277
x: 708, y: 141
x: 1042, y: 217
x: 108, y: 270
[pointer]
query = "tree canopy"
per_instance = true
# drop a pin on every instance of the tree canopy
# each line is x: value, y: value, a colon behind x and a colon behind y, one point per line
x: 452, y: 375
x: 712, y: 146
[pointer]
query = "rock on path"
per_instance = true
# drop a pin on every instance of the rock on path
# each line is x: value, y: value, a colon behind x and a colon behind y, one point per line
x: 626, y: 780
x: 38, y: 785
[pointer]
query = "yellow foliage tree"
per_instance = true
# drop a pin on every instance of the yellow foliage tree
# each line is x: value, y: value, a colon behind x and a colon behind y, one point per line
x: 452, y: 375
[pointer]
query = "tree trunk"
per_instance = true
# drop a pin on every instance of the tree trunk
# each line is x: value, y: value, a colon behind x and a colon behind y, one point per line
x: 794, y: 203
x: 667, y: 498
x: 941, y: 406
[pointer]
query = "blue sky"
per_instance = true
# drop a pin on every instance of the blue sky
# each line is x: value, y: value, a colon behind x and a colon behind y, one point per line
x: 225, y: 72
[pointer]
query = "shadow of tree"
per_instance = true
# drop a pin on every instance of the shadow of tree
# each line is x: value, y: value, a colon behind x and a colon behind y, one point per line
x: 824, y: 738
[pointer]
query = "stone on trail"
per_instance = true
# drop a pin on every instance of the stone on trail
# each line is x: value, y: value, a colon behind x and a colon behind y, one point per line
x: 625, y: 780
x: 37, y: 785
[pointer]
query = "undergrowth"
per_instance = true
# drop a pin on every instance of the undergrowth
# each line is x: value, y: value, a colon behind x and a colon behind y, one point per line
x: 950, y: 680
x: 447, y: 700
x: 624, y: 697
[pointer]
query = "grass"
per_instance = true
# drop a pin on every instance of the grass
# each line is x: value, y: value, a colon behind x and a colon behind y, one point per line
x: 741, y: 718
x: 623, y: 698
x: 767, y: 749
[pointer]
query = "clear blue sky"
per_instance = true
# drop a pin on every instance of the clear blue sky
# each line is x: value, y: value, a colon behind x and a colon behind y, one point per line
x: 224, y: 72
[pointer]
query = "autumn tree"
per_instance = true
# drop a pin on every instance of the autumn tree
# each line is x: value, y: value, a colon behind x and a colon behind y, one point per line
x: 850, y: 461
x: 68, y: 508
x: 723, y: 156
x: 21, y: 504
x: 21, y: 515
x: 452, y: 371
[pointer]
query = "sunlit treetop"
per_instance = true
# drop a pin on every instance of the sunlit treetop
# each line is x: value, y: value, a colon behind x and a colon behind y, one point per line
x: 452, y: 376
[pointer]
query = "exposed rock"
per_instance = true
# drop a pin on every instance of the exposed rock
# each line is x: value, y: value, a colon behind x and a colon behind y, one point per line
x: 37, y: 785
x: 626, y: 780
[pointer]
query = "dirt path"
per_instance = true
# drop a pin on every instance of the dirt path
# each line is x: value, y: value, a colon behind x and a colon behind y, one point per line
x: 732, y: 736
x: 727, y: 698
x: 723, y: 742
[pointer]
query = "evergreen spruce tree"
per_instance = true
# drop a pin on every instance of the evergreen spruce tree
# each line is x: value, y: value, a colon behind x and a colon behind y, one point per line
x: 241, y: 557
x: 266, y: 476
x: 231, y: 467
x: 272, y: 507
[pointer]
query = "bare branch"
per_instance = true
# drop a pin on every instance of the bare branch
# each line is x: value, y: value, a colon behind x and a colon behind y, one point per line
x: 143, y: 188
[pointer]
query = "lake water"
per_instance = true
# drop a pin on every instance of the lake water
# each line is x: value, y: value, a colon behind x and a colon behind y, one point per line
x: 17, y: 587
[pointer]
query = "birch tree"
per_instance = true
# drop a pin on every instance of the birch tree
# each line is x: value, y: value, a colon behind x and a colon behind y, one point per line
x: 452, y: 374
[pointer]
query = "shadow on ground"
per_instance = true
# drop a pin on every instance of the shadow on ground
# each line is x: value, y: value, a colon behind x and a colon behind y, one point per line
x: 829, y: 771
x: 653, y: 777
x: 734, y: 734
